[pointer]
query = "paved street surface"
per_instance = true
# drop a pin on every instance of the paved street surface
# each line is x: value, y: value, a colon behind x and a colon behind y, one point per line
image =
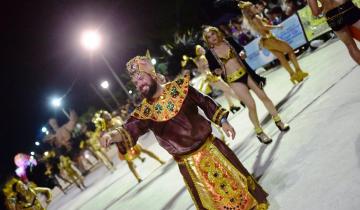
x: 315, y: 166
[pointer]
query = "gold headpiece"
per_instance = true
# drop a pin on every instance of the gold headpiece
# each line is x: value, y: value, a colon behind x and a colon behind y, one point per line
x: 133, y: 65
x: 244, y: 4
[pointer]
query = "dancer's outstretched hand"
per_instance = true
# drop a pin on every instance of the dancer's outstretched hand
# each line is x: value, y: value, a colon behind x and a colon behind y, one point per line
x: 109, y: 138
x: 105, y: 140
x: 228, y: 129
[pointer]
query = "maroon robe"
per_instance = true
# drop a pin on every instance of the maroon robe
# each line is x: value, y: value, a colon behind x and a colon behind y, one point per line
x: 181, y: 130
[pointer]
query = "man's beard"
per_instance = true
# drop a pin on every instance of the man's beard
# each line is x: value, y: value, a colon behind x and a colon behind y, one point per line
x: 152, y: 90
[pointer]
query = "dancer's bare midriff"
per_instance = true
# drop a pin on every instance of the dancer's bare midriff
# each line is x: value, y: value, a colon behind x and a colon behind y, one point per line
x: 232, y: 65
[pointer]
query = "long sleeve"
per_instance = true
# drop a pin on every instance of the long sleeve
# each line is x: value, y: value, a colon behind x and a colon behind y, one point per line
x: 136, y: 128
x: 213, y: 111
x: 130, y: 132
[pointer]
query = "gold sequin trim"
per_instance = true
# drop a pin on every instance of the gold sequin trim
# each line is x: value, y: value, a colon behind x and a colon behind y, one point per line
x: 219, y: 114
x: 219, y: 184
x: 167, y: 105
x: 262, y: 206
x: 235, y: 75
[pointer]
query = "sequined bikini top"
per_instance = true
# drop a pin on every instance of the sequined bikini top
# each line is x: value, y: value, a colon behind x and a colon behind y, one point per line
x: 230, y: 55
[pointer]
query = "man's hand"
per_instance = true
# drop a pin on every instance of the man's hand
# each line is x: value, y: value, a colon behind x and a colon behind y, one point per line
x: 109, y: 138
x: 228, y: 130
x: 105, y: 140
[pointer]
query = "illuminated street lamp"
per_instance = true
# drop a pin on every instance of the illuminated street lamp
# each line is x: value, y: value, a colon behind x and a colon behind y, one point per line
x: 44, y: 129
x: 37, y: 143
x: 91, y: 40
x: 32, y: 153
x: 105, y: 85
x: 56, y: 103
x: 153, y: 61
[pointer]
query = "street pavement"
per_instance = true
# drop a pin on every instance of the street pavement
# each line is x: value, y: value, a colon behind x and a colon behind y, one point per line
x: 314, y: 166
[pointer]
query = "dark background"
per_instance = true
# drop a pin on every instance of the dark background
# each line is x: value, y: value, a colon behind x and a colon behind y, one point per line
x: 43, y: 56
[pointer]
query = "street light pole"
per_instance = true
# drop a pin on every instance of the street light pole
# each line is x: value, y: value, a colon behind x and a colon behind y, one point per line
x: 105, y: 85
x: 101, y: 97
x: 113, y: 97
x: 91, y: 40
x: 65, y: 113
x: 116, y: 76
x: 56, y: 102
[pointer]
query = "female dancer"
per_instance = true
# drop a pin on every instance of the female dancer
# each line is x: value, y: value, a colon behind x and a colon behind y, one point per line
x: 105, y: 122
x: 276, y: 46
x: 214, y: 80
x: 224, y: 59
x: 343, y: 18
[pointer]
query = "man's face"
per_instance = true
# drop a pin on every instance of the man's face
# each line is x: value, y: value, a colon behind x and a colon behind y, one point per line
x: 145, y: 84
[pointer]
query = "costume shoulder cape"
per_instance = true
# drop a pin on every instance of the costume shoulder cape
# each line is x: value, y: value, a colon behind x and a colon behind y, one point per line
x: 167, y: 105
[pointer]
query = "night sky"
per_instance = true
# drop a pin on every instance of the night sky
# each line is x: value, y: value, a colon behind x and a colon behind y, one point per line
x: 43, y: 56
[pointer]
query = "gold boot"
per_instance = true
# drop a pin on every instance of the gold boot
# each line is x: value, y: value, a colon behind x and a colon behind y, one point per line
x: 302, y: 74
x: 295, y: 78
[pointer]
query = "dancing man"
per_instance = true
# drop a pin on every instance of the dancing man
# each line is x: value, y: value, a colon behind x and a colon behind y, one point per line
x: 213, y: 174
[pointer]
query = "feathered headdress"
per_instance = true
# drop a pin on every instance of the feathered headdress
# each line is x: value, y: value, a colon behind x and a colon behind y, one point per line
x: 8, y: 188
x: 99, y: 121
x: 181, y: 53
x: 244, y: 4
